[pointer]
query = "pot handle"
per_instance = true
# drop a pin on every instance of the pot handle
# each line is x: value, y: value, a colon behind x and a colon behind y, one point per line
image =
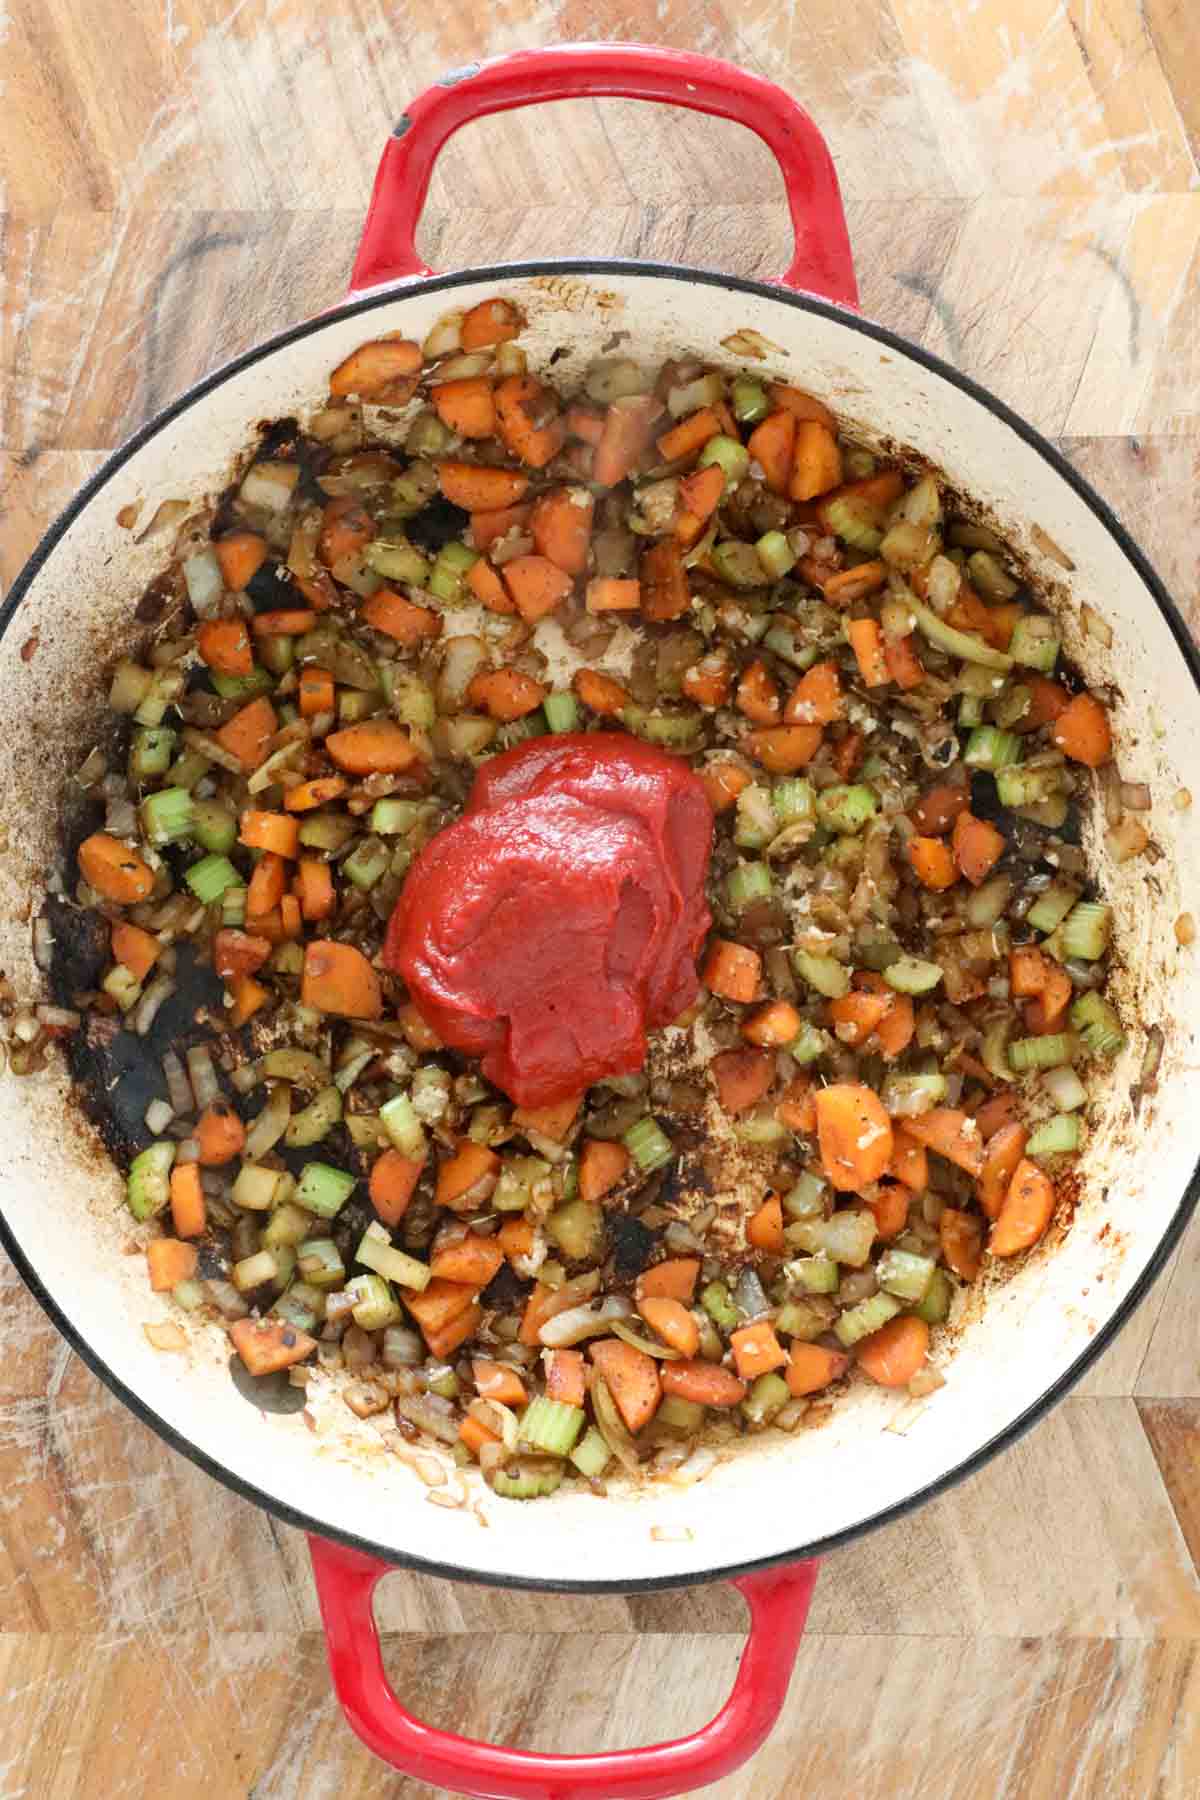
x: 778, y: 1600
x: 822, y: 262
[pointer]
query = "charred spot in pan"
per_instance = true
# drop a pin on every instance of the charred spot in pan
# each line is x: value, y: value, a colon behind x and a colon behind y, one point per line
x: 80, y: 948
x: 438, y: 523
x: 505, y: 1291
x: 157, y: 597
x: 269, y: 1393
x: 632, y: 1243
x: 271, y: 587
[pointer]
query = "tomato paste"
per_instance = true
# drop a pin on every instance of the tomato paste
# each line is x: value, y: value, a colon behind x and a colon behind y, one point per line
x: 558, y: 920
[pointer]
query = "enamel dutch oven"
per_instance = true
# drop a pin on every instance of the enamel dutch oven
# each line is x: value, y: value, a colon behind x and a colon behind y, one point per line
x: 766, y: 1511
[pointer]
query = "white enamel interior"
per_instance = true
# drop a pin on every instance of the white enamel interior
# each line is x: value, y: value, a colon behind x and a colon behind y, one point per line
x: 63, y: 1205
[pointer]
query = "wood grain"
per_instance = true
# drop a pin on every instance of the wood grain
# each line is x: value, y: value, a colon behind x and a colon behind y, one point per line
x: 1022, y: 182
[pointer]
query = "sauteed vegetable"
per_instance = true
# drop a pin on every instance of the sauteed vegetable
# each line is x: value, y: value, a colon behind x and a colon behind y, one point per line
x: 903, y: 1011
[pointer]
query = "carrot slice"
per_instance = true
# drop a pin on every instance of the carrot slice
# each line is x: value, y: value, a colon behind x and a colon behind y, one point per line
x: 249, y: 996
x: 537, y: 586
x: 961, y: 1237
x: 952, y: 1134
x: 705, y: 1383
x: 628, y: 428
x: 267, y: 885
x: 505, y: 694
x: 856, y: 1015
x: 785, y: 748
x: 377, y: 370
x: 220, y: 1135
x: 674, y: 1279
x: 601, y: 1166
x: 115, y: 870
x: 1028, y: 970
x: 444, y: 1342
x: 811, y: 1367
x: 1048, y: 701
x: 266, y: 1346
x: 472, y: 1166
x: 240, y: 554
x: 758, y: 694
x: 732, y: 971
x: 308, y: 794
x: 866, y: 640
x: 800, y: 405
x: 1052, y: 1002
x: 170, y: 1262
x: 910, y: 1161
x: 467, y: 406
x: 481, y: 489
x: 889, y: 1205
x: 485, y: 583
x: 586, y: 422
x: 708, y: 681
x: 135, y: 949
x: 1027, y: 1210
x: 1083, y: 733
x: 1005, y: 1148
x: 610, y: 594
x: 854, y: 1134
x: 248, y: 733
x: 346, y: 530
x: 847, y: 585
x: 797, y: 1108
x: 400, y: 618
x: 893, y: 1355
x: 566, y: 1377
x: 939, y: 806
x: 895, y: 1031
x: 723, y: 782
x: 522, y: 405
x: 699, y: 496
x: 772, y: 445
x: 742, y: 1077
x: 315, y: 692
x: 977, y: 847
x: 690, y: 435
x: 600, y: 693
x: 903, y: 664
x: 773, y: 1025
x: 491, y: 322
x: 756, y: 1350
x: 270, y: 831
x: 224, y: 645
x: 561, y: 524
x: 665, y: 592
x: 473, y: 1260
x: 489, y: 525
x: 764, y: 1228
x: 816, y: 698
x: 188, y: 1211
x: 285, y: 621
x: 671, y: 1321
x: 499, y: 1381
x: 439, y: 1304
x: 933, y: 862
x: 393, y: 1183
x: 995, y: 1113
x: 816, y: 461
x: 474, y: 1434
x: 372, y: 747
x: 515, y: 1238
x: 338, y: 979
x: 632, y: 1379
x: 314, y: 888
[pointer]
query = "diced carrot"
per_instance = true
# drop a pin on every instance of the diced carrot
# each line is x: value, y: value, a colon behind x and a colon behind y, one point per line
x: 220, y: 1135
x: 472, y: 1166
x: 671, y: 1321
x: 1082, y: 732
x: 998, y: 1111
x: 665, y: 592
x: 418, y: 1032
x: 542, y: 1305
x: 284, y: 621
x: 224, y: 646
x: 816, y: 698
x: 939, y: 806
x: 338, y: 979
x: 270, y: 831
x: 758, y: 694
x: 1027, y: 970
x: 970, y: 614
x: 313, y: 887
x: 377, y: 370
x: 847, y: 754
x: 135, y: 949
x: 491, y: 322
x: 318, y: 590
x: 800, y: 405
x: 847, y: 585
x: 248, y: 733
x: 723, y: 782
x: 505, y: 694
x: 699, y: 496
x: 485, y: 583
x: 586, y: 422
x: 188, y: 1211
x: 610, y: 594
x: 674, y: 1279
x: 372, y: 747
x: 856, y: 1015
x: 889, y: 1205
x: 315, y: 692
x: 866, y: 640
x: 600, y: 693
x: 480, y: 488
x: 977, y: 847
x: 238, y: 953
x: 115, y: 870
x: 309, y: 794
x: 473, y: 1260
x: 708, y: 681
x: 894, y: 1032
x: 566, y: 1377
x: 516, y: 1237
x: 474, y: 1434
x: 290, y: 917
x: 910, y: 1160
x: 536, y: 585
x: 1001, y: 1160
x: 561, y: 524
x: 933, y: 862
x: 268, y: 1345
x: 400, y: 618
x: 764, y: 1228
x: 904, y: 665
x: 601, y: 1166
x: 797, y: 1107
x: 346, y: 530
x: 552, y: 1121
x: 438, y: 1304
x: 527, y: 420
x: 742, y: 1077
x: 444, y: 1342
x: 773, y: 1025
x: 952, y: 1134
x: 705, y: 1383
x: 756, y: 1350
x: 392, y: 1184
x: 816, y: 460
x: 631, y: 1377
x: 1048, y: 701
x: 854, y: 1133
x: 772, y: 445
x: 784, y: 748
x: 893, y: 1355
x: 170, y: 1262
x: 1027, y: 1209
x: 490, y: 524
x: 249, y: 996
x: 240, y: 554
x: 467, y: 406
x: 499, y: 1381
x: 690, y: 435
x: 1053, y: 1000
x: 961, y: 1237
x: 1004, y: 622
x: 267, y: 885
x: 628, y: 430
x: 812, y: 1367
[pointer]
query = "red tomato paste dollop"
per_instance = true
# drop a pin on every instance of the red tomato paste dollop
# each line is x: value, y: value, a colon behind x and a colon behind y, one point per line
x: 559, y: 919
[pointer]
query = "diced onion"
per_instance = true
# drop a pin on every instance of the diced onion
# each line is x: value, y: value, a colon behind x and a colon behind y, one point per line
x: 202, y: 573
x: 202, y: 1075
x: 43, y: 942
x: 1185, y: 929
x: 267, y: 1129
x: 146, y: 1010
x: 159, y: 1114
x: 166, y: 1336
x: 179, y: 1088
x: 1136, y: 796
x: 270, y: 485
x: 1095, y: 626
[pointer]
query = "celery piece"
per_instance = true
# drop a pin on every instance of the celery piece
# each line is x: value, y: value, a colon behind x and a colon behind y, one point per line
x: 988, y: 748
x: 750, y: 401
x: 955, y: 643
x: 747, y: 884
x: 188, y: 768
x: 809, y: 1044
x: 906, y: 1096
x: 209, y: 878
x: 737, y: 563
x: 648, y: 1145
x: 278, y: 652
x: 815, y: 1274
x: 411, y: 699
x: 367, y: 863
x: 330, y: 832
x: 935, y: 1303
x: 856, y: 521
x: 846, y: 1237
x: 130, y: 685
x: 323, y: 1189
x: 1026, y: 787
x: 792, y: 799
x: 562, y: 712
x: 803, y: 1319
x: 529, y: 1478
x: 167, y: 815
x: 392, y: 818
x: 755, y: 818
x: 678, y: 730
x: 683, y: 1416
x: 591, y: 1454
x: 987, y: 904
x: 1086, y: 929
x: 910, y: 975
x: 233, y: 906
x: 905, y: 1274
x: 551, y: 1425
x: 376, y: 1251
x: 806, y: 1199
x: 241, y: 687
x: 1096, y: 1019
x: 1051, y: 908
x: 846, y: 809
x: 189, y: 1294
x: 1055, y: 1137
x: 355, y: 704
x: 320, y: 1262
x: 296, y: 1311
x: 868, y: 1316
x: 213, y: 826
x: 520, y: 1177
x: 316, y: 1120
x: 718, y: 1304
x: 577, y: 1229
x: 769, y: 1394
x: 397, y: 560
x: 988, y: 575
x: 375, y: 1306
x: 761, y: 1127
x: 1046, y: 1052
x: 165, y: 687
x: 449, y: 570
x: 1010, y: 707
x: 445, y: 1383
x: 781, y: 639
x: 151, y: 751
x: 148, y: 1187
x: 731, y: 456
x: 775, y: 554
x: 824, y: 973
x: 399, y: 1119
x: 970, y: 712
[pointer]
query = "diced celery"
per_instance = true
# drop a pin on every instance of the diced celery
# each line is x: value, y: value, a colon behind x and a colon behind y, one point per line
x: 782, y: 640
x: 1055, y: 1137
x: 446, y: 581
x: 683, y: 1416
x: 233, y: 906
x: 750, y: 401
x: 748, y: 883
x: 591, y: 1454
x: 316, y: 1120
x: 1043, y: 1052
x: 187, y: 769
x: 209, y: 878
x: 906, y: 1096
x: 955, y: 643
x: 648, y: 1145
x: 376, y: 1251
x: 755, y: 818
x: 411, y: 699
x: 804, y: 1319
x: 935, y: 1305
x: 910, y: 975
x: 397, y: 560
x: 806, y: 1199
x: 392, y: 818
x: 562, y: 712
x: 809, y: 1044
x: 1093, y: 1016
x: 856, y: 521
x: 846, y: 809
x: 293, y: 1307
x: 989, y: 748
x: 320, y: 1263
x: 761, y: 1127
x: 323, y: 1189
x: 241, y: 687
x: 1086, y: 929
x: 399, y: 1119
x: 151, y: 751
x: 213, y: 826
x: 905, y: 1274
x: 165, y: 687
x: 867, y: 1317
x: 824, y: 973
x: 327, y: 831
x: 130, y: 685
x: 167, y: 815
x: 769, y: 1394
x: 189, y: 1294
x: 367, y: 863
x: 793, y: 799
x: 718, y: 1304
x: 989, y: 576
x: 577, y: 1228
x: 1035, y: 642
x: 375, y: 1306
x: 551, y: 1425
x: 846, y: 1236
x: 529, y: 1478
x: 970, y: 711
x: 732, y: 458
x: 815, y: 1274
x: 1051, y: 908
x: 775, y: 554
x: 356, y: 704
x: 737, y: 563
x: 148, y: 1187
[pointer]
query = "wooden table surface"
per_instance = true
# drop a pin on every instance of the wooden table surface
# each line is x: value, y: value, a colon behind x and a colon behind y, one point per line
x: 180, y: 177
